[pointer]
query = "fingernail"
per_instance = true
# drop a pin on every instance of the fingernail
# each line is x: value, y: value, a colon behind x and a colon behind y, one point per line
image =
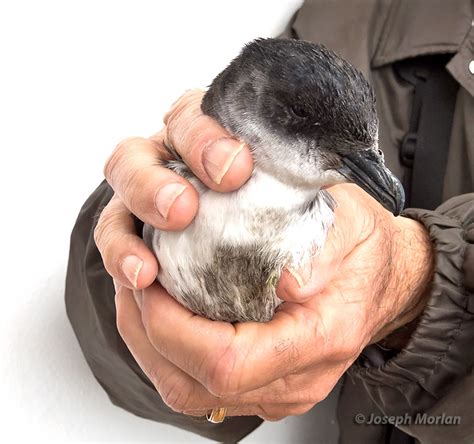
x: 297, y: 276
x: 304, y: 274
x: 131, y: 267
x: 166, y: 196
x: 218, y: 157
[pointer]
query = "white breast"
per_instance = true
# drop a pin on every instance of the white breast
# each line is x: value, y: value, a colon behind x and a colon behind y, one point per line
x: 264, y: 212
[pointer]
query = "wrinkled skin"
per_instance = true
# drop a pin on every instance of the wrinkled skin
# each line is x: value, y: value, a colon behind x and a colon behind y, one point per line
x: 369, y: 280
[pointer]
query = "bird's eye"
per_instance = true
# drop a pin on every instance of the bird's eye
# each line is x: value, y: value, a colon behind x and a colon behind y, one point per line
x: 299, y: 111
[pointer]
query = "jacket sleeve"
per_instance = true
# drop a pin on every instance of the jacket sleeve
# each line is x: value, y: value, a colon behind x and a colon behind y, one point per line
x: 90, y: 306
x: 433, y: 373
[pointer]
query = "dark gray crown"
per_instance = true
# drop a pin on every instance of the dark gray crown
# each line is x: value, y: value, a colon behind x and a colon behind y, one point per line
x: 294, y: 88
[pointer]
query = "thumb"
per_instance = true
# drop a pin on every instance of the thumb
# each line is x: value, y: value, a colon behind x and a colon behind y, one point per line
x: 299, y: 285
x: 349, y: 229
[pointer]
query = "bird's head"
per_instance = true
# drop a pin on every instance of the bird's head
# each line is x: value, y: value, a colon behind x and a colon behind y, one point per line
x: 308, y: 115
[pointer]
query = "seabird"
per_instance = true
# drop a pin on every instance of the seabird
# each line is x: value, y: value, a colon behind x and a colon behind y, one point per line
x: 310, y: 121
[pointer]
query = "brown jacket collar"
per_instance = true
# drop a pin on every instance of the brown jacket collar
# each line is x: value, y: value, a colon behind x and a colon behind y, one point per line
x: 374, y: 33
x: 421, y: 27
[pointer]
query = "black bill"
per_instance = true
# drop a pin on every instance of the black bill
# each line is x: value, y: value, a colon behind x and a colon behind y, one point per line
x: 367, y: 169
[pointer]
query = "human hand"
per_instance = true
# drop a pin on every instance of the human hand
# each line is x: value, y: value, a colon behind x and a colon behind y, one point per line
x: 157, y: 195
x: 369, y: 280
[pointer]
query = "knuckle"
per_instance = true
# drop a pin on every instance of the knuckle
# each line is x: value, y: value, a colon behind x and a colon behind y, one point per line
x: 175, y: 392
x: 118, y: 156
x: 99, y: 234
x: 188, y: 131
x: 100, y: 230
x: 137, y: 186
x: 114, y: 160
x: 189, y: 100
x: 201, y: 134
x: 154, y: 375
x: 111, y: 239
x: 104, y: 232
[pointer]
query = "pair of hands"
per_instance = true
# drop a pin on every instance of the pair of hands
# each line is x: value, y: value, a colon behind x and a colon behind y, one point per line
x: 368, y: 281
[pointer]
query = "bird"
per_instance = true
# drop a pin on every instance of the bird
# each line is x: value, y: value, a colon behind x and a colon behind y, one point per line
x: 310, y: 120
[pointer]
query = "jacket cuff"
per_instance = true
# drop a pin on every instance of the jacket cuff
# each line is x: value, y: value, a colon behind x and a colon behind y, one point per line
x: 440, y: 350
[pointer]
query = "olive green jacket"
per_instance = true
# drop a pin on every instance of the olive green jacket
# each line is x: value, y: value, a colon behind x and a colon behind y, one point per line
x: 433, y: 374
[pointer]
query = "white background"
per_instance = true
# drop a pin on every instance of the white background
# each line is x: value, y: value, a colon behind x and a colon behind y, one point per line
x: 75, y: 79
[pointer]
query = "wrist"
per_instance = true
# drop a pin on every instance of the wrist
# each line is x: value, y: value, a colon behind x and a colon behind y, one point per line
x: 411, y: 277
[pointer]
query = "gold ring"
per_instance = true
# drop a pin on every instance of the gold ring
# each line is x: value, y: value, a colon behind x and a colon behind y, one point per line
x: 217, y: 415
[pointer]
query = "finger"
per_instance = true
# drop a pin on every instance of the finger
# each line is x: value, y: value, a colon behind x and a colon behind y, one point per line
x: 227, y: 359
x: 157, y: 195
x: 299, y: 285
x: 175, y: 387
x: 221, y: 161
x: 126, y: 257
x: 182, y: 393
